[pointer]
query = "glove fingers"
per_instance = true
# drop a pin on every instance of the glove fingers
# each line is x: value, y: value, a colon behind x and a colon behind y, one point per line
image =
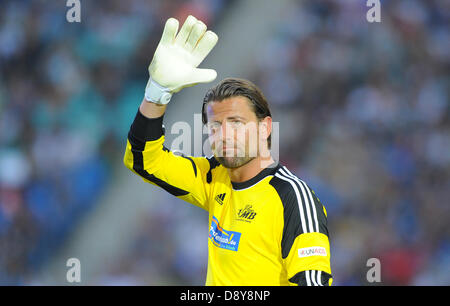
x: 197, y: 31
x: 170, y: 31
x: 185, y: 30
x: 198, y: 76
x: 204, y: 46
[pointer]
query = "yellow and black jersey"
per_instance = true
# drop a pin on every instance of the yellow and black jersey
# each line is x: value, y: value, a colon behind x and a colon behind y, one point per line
x: 269, y: 230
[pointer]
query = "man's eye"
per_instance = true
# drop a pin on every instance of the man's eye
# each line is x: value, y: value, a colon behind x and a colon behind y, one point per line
x: 213, y: 126
x: 237, y: 123
x: 216, y: 126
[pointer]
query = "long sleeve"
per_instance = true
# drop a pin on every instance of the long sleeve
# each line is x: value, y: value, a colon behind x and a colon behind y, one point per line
x: 306, y: 248
x: 182, y: 176
x: 305, y: 245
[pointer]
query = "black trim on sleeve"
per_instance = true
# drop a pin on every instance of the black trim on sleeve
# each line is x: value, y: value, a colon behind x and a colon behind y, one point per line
x: 147, y: 129
x: 309, y: 278
x: 137, y: 147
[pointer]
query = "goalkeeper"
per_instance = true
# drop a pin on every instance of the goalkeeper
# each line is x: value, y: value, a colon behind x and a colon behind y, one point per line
x: 266, y: 226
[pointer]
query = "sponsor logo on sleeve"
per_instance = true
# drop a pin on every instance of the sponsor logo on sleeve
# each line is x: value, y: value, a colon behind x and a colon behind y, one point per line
x: 312, y: 251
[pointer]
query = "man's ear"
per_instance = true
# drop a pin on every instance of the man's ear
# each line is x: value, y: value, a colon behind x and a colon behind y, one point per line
x: 265, y: 126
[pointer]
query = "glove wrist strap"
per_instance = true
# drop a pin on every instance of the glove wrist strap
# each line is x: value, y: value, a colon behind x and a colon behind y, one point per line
x: 156, y: 93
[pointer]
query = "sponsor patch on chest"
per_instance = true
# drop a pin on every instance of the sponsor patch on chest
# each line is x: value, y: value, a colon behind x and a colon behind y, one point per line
x: 222, y: 238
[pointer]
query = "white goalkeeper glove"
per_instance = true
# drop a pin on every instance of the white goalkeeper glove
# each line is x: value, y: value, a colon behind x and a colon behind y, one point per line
x: 174, y: 64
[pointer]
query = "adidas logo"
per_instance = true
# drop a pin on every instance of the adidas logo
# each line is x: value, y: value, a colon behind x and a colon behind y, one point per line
x: 220, y: 197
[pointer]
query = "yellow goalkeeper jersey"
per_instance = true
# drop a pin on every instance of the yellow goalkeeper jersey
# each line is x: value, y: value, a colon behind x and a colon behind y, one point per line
x: 269, y: 230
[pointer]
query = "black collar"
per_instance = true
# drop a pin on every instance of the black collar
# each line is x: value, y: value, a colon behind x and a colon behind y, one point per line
x: 271, y: 169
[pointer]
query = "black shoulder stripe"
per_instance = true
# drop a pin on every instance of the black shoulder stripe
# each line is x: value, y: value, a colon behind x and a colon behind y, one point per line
x: 192, y: 162
x: 292, y: 222
x: 303, y: 212
x: 304, y: 201
x: 179, y: 153
x: 213, y: 163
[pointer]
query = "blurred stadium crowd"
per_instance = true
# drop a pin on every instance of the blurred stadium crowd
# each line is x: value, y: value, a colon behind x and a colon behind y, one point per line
x: 68, y: 93
x: 364, y: 112
x: 364, y: 119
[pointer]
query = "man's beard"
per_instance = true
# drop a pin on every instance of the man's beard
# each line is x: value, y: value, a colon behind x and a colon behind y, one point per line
x: 233, y: 162
x: 240, y: 156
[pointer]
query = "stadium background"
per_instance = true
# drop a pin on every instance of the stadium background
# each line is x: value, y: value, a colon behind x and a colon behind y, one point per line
x: 364, y: 119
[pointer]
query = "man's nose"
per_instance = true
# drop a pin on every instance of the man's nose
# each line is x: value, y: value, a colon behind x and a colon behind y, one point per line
x: 223, y: 135
x: 226, y: 131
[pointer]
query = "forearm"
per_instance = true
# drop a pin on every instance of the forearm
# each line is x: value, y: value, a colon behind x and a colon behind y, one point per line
x: 152, y: 110
x: 145, y: 155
